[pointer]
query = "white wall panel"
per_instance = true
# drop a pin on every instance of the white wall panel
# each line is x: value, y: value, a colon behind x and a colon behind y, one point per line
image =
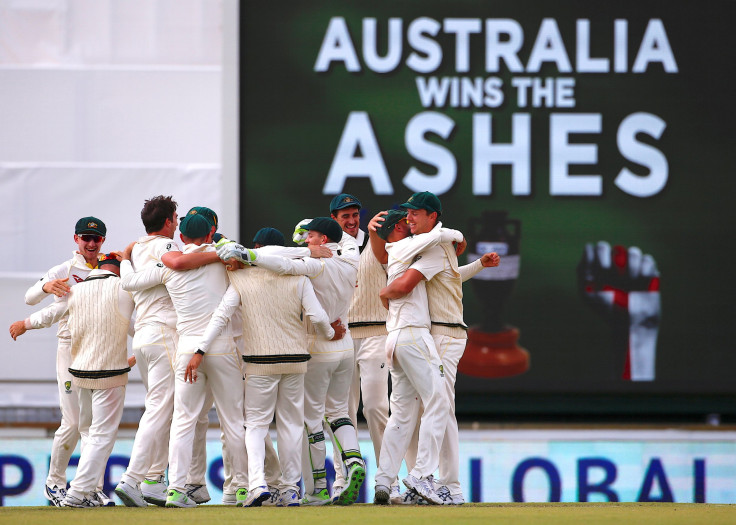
x: 110, y: 115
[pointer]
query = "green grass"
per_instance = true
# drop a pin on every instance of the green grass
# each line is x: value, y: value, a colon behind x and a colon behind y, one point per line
x: 495, y: 514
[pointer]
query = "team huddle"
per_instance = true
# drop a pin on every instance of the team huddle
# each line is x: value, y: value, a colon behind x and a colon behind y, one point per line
x: 296, y: 334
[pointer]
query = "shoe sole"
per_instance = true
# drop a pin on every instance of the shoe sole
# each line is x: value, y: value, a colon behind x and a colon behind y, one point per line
x: 127, y: 500
x: 350, y: 494
x: 381, y: 498
x: 318, y: 503
x: 173, y: 505
x: 154, y: 501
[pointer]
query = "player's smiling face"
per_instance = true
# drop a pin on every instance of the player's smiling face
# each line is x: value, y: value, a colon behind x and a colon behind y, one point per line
x: 348, y: 219
x: 89, y: 246
x: 420, y: 221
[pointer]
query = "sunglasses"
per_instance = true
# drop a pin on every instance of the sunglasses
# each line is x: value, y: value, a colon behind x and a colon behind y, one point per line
x: 87, y: 237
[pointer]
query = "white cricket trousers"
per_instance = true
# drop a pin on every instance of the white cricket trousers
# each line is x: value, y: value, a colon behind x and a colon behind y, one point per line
x: 450, y: 350
x: 67, y: 435
x: 100, y: 412
x: 220, y: 371
x: 198, y: 469
x: 273, y: 469
x: 326, y: 391
x: 281, y: 395
x: 155, y: 363
x: 417, y: 377
x: 370, y: 381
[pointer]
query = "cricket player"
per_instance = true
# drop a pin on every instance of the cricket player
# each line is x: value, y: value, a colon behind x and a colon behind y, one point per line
x: 154, y: 347
x: 448, y: 330
x: 98, y: 320
x: 276, y: 358
x: 416, y: 371
x: 329, y: 373
x: 89, y: 235
x: 196, y: 294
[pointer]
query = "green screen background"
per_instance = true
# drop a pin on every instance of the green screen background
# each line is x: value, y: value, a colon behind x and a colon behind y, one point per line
x: 291, y: 120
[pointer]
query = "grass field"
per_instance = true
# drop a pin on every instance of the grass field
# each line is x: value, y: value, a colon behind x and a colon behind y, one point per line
x: 495, y: 514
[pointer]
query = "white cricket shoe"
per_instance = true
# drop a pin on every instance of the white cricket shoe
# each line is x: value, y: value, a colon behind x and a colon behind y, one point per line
x: 130, y: 495
x: 289, y: 498
x: 381, y: 495
x: 174, y: 498
x: 395, y: 496
x: 55, y: 495
x: 273, y: 501
x: 257, y: 496
x: 155, y: 491
x: 80, y: 503
x: 423, y: 488
x: 198, y: 493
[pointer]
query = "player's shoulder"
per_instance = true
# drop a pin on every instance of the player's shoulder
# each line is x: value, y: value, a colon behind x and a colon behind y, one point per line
x: 65, y: 266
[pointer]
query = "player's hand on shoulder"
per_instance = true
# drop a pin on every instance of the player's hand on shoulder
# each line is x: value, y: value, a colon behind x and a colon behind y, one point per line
x: 320, y: 252
x: 128, y: 251
x: 460, y: 247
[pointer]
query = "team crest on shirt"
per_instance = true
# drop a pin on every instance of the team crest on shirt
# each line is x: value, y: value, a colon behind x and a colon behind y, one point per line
x: 68, y: 387
x: 77, y: 279
x: 442, y: 371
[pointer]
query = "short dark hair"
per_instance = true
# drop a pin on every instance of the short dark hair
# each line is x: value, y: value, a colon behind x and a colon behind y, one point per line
x: 155, y: 212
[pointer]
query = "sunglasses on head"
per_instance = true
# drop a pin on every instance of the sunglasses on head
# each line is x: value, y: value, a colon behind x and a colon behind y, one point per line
x: 88, y: 237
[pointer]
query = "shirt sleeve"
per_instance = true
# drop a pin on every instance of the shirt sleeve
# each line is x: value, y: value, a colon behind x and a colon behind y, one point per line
x: 221, y: 316
x: 283, y: 251
x: 431, y: 263
x: 150, y: 276
x: 49, y: 315
x: 315, y: 312
x: 468, y: 271
x: 407, y: 249
x: 281, y: 265
x: 35, y: 293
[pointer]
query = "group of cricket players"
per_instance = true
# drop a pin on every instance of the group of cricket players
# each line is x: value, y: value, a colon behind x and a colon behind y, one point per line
x: 299, y: 335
